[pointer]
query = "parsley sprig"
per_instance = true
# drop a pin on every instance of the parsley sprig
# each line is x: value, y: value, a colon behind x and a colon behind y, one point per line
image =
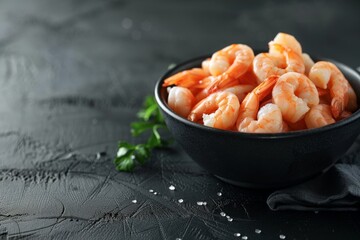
x: 151, y: 120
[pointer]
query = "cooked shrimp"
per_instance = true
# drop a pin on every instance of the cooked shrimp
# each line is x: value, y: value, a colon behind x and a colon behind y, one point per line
x: 218, y: 110
x: 181, y: 100
x: 229, y: 64
x: 308, y: 62
x: 326, y: 75
x: 250, y: 105
x: 240, y: 90
x: 319, y: 115
x: 294, y: 61
x: 269, y: 120
x: 288, y: 41
x: 294, y: 93
x: 205, y: 65
x: 266, y: 65
x: 187, y: 78
x: 286, y: 60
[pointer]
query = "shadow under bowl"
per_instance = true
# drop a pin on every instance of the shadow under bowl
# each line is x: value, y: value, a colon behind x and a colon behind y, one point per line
x: 265, y: 161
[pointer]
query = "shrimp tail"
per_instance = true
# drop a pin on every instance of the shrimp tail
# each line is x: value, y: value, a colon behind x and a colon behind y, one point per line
x: 186, y: 78
x: 337, y: 107
x: 218, y: 83
x: 266, y: 87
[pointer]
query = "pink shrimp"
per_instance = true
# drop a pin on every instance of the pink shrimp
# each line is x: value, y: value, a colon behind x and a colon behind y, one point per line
x: 326, y: 75
x: 181, y: 100
x: 229, y: 64
x: 266, y: 65
x: 250, y: 105
x: 269, y: 120
x: 205, y: 65
x: 240, y: 90
x: 285, y: 60
x: 294, y: 93
x: 319, y: 115
x: 187, y: 78
x: 308, y: 62
x: 287, y: 41
x: 218, y: 110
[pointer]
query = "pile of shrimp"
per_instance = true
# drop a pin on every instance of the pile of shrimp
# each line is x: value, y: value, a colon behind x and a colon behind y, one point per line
x: 277, y: 91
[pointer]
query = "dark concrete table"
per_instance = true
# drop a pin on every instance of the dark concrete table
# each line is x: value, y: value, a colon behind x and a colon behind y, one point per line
x: 72, y: 76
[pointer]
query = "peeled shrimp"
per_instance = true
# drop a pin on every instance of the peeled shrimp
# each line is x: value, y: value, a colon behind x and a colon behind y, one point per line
x: 218, y: 110
x: 250, y: 105
x: 240, y: 90
x: 269, y: 120
x: 308, y: 62
x: 294, y: 61
x: 205, y: 65
x: 181, y: 100
x: 288, y: 41
x: 326, y: 75
x: 266, y: 65
x: 294, y: 93
x: 229, y: 64
x: 319, y: 115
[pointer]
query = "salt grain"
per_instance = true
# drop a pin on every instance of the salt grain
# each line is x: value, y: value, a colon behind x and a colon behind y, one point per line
x: 134, y: 201
x: 222, y: 214
x: 199, y: 203
x: 181, y: 200
x: 219, y: 194
x: 282, y: 236
x: 258, y: 231
x: 244, y: 238
x: 237, y: 234
x: 230, y: 219
x: 172, y: 188
x: 150, y: 190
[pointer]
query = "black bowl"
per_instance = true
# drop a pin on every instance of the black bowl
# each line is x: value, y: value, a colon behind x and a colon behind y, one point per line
x: 261, y: 160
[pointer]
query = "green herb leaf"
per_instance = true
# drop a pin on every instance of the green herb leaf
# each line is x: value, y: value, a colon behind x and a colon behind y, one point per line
x: 129, y: 155
x: 138, y: 128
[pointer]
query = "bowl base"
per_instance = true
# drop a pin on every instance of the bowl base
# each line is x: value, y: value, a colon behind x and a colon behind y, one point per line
x: 272, y: 186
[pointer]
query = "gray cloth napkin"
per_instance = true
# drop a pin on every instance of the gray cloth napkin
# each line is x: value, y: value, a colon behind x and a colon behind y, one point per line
x: 337, y: 189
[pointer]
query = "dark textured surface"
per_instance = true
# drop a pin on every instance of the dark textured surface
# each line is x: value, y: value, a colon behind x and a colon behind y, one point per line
x: 73, y: 73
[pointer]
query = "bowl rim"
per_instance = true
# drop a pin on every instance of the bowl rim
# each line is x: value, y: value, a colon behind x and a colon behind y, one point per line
x: 307, y: 132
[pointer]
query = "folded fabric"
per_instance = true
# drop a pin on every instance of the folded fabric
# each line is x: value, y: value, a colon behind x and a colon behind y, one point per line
x: 337, y: 189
